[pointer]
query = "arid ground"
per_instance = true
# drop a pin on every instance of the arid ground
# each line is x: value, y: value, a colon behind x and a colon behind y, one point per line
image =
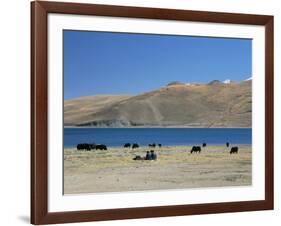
x: 115, y: 170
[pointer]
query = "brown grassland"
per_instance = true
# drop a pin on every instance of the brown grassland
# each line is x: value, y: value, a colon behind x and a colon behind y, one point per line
x: 115, y: 170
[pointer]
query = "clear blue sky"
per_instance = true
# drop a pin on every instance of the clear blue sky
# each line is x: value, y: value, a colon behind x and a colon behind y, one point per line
x: 98, y: 63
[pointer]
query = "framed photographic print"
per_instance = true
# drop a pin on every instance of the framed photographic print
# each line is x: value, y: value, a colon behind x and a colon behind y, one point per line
x: 148, y: 112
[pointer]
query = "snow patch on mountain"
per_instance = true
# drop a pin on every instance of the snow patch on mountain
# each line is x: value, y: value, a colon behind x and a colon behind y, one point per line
x: 227, y: 81
x: 248, y: 79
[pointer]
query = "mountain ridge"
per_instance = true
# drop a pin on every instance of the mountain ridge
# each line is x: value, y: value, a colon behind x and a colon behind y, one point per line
x: 180, y: 105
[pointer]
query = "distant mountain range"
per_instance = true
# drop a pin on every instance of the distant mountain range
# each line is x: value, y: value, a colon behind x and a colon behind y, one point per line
x: 216, y: 104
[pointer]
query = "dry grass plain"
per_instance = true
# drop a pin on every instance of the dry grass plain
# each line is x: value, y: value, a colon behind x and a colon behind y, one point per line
x: 115, y: 171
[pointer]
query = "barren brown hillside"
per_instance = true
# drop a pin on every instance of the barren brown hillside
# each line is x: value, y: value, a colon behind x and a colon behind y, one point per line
x: 180, y: 105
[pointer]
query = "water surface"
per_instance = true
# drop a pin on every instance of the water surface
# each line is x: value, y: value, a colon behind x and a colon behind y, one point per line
x: 166, y: 136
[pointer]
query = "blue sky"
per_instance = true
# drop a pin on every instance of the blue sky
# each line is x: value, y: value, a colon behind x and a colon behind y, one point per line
x: 97, y: 63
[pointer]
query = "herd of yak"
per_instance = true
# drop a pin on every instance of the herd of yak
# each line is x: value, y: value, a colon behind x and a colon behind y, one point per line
x: 195, y: 149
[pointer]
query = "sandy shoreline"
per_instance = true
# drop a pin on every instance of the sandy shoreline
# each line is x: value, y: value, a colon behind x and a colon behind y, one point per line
x: 114, y: 170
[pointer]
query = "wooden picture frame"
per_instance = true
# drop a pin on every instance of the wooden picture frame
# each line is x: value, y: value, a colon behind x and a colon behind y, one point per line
x: 39, y: 112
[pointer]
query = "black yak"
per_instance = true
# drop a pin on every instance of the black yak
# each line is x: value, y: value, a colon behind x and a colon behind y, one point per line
x: 127, y: 145
x: 101, y: 147
x: 92, y: 146
x: 85, y: 146
x: 234, y: 150
x: 152, y: 145
x: 195, y: 149
x: 138, y: 157
x: 135, y: 146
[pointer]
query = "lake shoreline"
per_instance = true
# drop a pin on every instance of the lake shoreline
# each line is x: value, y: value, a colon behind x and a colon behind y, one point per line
x: 167, y: 146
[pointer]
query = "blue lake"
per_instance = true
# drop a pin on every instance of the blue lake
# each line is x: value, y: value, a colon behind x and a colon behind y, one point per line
x: 165, y: 136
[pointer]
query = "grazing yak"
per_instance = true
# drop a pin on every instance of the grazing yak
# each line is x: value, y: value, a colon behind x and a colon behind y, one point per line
x: 234, y: 150
x: 227, y: 144
x: 152, y: 145
x: 195, y: 149
x: 138, y: 157
x: 101, y: 147
x: 85, y: 146
x: 135, y: 146
x: 92, y: 146
x: 204, y: 145
x: 127, y: 145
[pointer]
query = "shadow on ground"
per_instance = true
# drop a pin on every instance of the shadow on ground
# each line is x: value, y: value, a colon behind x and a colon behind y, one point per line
x: 24, y: 219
